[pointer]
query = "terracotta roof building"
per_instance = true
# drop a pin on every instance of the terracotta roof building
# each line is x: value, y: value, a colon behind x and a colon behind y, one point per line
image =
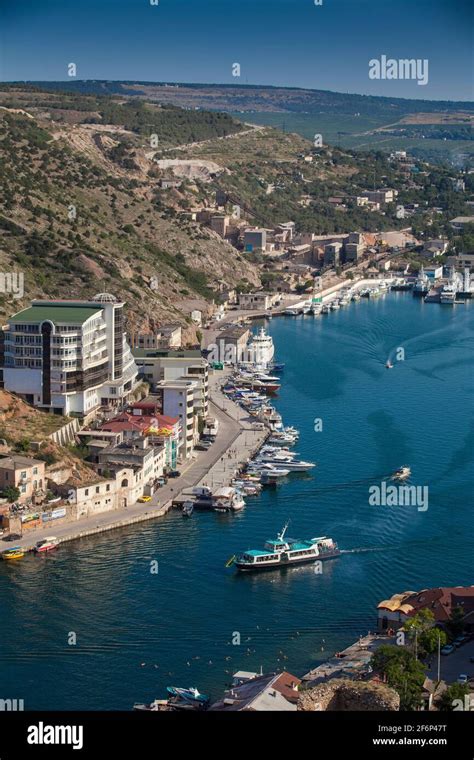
x: 393, y: 612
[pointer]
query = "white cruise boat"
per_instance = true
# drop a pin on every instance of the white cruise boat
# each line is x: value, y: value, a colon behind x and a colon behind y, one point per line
x: 281, y: 552
x: 261, y: 348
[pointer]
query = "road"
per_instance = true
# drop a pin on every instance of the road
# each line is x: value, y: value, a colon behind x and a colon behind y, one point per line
x: 452, y: 665
x: 235, y: 442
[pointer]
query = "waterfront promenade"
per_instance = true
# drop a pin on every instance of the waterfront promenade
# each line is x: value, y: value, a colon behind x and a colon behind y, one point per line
x: 236, y: 441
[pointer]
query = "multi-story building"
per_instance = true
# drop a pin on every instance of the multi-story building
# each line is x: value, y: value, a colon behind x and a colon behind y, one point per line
x: 255, y: 238
x: 220, y: 224
x: 257, y: 300
x: 144, y: 419
x: 69, y: 357
x: 230, y: 345
x: 384, y: 195
x: 147, y: 461
x: 178, y: 400
x: 168, y: 336
x: 28, y: 475
x: 158, y: 366
x: 332, y: 254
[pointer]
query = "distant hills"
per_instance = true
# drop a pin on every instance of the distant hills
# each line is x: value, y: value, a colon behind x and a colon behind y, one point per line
x: 433, y: 130
x: 232, y: 97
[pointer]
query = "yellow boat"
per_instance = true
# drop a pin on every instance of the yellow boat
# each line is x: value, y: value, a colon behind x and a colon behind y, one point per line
x: 15, y: 553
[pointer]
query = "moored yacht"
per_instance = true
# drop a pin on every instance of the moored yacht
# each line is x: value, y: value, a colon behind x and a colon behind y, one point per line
x: 261, y: 348
x: 448, y: 294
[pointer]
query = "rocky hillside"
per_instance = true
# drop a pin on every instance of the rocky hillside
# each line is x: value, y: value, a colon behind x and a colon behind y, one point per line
x: 86, y: 206
x: 83, y: 211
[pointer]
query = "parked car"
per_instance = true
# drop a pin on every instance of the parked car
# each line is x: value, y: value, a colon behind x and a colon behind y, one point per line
x: 459, y: 641
x: 201, y: 447
x: 144, y: 499
x: 174, y: 474
x: 463, y: 679
x: 447, y: 649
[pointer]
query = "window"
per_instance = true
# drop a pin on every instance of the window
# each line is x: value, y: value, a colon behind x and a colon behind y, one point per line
x: 23, y: 474
x: 107, y: 487
x: 97, y: 489
x: 86, y: 492
x: 35, y: 470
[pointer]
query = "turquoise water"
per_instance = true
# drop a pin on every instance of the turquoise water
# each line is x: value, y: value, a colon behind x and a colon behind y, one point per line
x: 137, y: 632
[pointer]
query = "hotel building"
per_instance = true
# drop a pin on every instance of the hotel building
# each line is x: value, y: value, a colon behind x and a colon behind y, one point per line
x: 68, y: 357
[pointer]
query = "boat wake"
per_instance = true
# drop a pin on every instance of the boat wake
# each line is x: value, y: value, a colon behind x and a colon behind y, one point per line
x: 363, y: 549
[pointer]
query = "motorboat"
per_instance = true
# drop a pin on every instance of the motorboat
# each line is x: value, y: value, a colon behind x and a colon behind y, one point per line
x: 402, y: 473
x: 46, y: 545
x: 188, y: 508
x: 188, y: 695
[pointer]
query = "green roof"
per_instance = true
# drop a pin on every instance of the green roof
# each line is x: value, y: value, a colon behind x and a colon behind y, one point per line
x: 59, y: 314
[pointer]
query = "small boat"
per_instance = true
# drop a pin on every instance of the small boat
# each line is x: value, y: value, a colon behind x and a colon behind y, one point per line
x: 402, y: 473
x: 389, y: 364
x: 46, y: 545
x: 16, y: 552
x: 188, y: 695
x: 188, y: 508
x: 155, y: 706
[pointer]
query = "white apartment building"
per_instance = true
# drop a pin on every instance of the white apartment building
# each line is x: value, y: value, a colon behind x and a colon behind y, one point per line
x: 158, y: 366
x: 69, y: 357
x: 178, y: 400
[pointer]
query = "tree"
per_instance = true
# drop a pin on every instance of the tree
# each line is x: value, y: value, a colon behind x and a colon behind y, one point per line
x: 429, y: 640
x: 454, y: 692
x: 421, y: 627
x: 402, y: 672
x: 455, y: 624
x: 12, y: 493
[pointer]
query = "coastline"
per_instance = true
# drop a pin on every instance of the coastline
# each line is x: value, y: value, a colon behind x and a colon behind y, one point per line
x: 236, y: 435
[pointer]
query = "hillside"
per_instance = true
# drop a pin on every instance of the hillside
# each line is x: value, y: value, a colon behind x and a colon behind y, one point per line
x: 84, y: 209
x: 436, y: 131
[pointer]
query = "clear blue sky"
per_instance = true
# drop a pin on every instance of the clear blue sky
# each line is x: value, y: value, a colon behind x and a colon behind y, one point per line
x: 279, y: 42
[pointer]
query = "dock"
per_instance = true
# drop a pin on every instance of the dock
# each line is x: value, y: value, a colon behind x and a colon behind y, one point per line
x: 237, y: 441
x: 352, y: 662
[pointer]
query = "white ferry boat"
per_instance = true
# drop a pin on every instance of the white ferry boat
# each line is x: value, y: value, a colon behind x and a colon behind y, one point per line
x: 281, y: 552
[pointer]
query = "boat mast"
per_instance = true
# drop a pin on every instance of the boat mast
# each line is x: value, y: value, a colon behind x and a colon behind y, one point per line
x: 281, y: 535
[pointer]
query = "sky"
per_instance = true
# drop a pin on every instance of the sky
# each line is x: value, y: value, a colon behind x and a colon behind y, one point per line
x: 291, y: 43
